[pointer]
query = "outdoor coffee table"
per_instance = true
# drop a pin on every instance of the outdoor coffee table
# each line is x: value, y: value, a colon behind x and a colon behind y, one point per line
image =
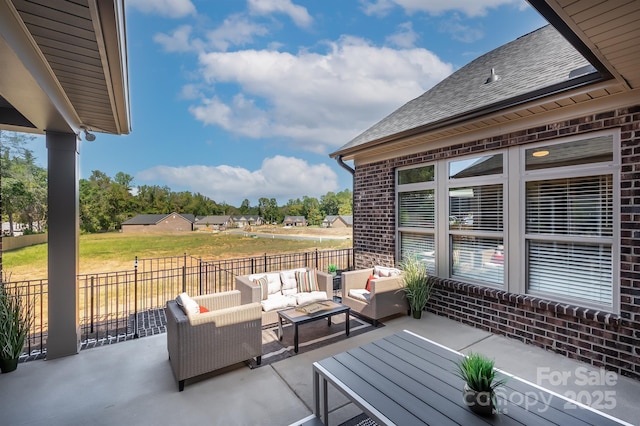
x: 295, y: 316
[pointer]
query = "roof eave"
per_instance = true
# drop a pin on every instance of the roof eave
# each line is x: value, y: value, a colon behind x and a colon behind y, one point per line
x: 467, y: 116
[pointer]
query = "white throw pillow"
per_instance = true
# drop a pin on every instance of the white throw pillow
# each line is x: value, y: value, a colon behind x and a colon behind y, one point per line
x: 289, y: 283
x: 383, y: 271
x: 187, y: 304
x: 273, y: 278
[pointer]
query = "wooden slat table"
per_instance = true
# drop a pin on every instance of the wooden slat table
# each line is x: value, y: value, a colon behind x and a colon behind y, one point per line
x: 405, y: 379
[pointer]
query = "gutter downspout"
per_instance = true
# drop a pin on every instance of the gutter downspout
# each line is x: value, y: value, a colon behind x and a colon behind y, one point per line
x: 353, y: 183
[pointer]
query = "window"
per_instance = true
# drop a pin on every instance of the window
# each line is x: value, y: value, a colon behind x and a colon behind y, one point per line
x: 533, y: 219
x: 569, y: 226
x: 476, y: 215
x: 416, y: 214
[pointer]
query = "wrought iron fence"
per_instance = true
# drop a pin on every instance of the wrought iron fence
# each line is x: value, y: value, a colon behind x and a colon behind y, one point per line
x: 115, y: 306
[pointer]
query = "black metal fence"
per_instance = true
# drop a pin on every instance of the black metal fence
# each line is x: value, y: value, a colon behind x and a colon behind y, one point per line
x: 115, y: 306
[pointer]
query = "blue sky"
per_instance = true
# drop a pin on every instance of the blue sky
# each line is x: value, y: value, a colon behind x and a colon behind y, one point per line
x: 245, y: 99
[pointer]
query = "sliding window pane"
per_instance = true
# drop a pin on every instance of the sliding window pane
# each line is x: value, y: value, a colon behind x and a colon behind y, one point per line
x: 571, y: 270
x: 417, y: 209
x: 478, y: 208
x: 478, y: 259
x: 419, y: 245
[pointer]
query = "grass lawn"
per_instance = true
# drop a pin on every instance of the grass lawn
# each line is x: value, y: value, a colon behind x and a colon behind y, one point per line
x: 115, y: 251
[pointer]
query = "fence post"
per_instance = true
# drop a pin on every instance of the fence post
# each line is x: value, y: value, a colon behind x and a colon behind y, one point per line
x: 316, y: 258
x: 184, y: 279
x: 265, y: 263
x: 135, y: 298
x: 92, y: 302
x: 200, y: 274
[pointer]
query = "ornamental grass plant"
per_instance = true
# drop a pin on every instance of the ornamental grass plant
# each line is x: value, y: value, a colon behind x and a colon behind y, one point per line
x: 418, y: 284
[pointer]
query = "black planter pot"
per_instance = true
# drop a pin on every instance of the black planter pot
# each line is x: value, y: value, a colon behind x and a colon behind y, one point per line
x: 8, y: 365
x: 479, y: 402
x: 417, y: 313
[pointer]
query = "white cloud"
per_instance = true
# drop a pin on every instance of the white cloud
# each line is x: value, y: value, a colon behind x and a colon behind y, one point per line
x: 436, y: 7
x: 179, y: 40
x: 318, y: 100
x: 405, y: 37
x: 274, y: 179
x: 166, y: 8
x: 235, y: 30
x: 298, y: 14
x: 459, y: 31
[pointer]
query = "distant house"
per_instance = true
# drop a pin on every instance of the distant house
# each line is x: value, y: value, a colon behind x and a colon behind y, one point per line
x: 294, y: 221
x: 213, y: 223
x: 173, y: 222
x: 338, y: 222
x: 247, y: 220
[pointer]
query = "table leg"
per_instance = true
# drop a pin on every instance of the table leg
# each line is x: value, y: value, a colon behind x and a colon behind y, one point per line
x: 295, y: 339
x: 346, y: 314
x: 325, y: 406
x: 329, y: 321
x: 316, y: 392
x: 280, y: 331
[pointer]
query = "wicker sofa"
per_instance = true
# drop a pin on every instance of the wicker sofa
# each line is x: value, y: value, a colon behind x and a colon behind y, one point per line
x: 282, y: 291
x: 384, y: 298
x: 202, y: 342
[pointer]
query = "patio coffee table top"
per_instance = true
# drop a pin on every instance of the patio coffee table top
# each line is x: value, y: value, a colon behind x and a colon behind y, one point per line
x: 326, y: 308
x: 407, y: 379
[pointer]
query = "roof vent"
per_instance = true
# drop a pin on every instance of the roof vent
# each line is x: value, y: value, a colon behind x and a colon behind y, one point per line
x: 493, y: 77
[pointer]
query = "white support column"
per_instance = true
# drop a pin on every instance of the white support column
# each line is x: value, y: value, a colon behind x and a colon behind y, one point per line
x: 64, y: 231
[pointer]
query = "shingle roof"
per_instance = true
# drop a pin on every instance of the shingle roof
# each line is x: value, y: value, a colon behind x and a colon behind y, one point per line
x: 145, y: 219
x: 152, y: 219
x: 214, y: 220
x: 533, y: 62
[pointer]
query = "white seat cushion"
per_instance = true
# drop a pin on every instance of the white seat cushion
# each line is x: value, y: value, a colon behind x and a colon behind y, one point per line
x: 277, y: 301
x: 383, y: 271
x: 311, y: 296
x: 360, y: 294
x: 187, y: 304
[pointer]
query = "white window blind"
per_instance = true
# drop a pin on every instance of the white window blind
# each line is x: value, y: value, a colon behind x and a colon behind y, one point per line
x: 478, y: 208
x: 571, y: 270
x: 478, y: 259
x: 416, y: 209
x: 419, y: 245
x: 579, y: 212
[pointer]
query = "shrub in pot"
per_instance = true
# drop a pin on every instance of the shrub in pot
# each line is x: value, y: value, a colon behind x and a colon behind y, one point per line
x: 417, y: 284
x: 16, y: 318
x: 481, y: 381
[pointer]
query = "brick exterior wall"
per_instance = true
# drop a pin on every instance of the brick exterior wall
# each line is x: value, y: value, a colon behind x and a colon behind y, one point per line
x: 599, y: 338
x: 169, y: 224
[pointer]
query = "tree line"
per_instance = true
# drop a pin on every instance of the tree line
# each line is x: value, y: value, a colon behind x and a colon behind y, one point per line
x: 106, y: 202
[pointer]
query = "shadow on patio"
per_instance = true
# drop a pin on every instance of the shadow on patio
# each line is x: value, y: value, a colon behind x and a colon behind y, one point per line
x: 131, y: 382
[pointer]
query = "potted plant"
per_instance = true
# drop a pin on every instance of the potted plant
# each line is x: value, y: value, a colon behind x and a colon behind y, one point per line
x: 480, y: 382
x: 332, y: 269
x: 417, y: 284
x: 15, y: 322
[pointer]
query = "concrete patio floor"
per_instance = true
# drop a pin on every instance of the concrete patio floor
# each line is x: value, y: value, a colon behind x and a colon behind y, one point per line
x: 131, y: 383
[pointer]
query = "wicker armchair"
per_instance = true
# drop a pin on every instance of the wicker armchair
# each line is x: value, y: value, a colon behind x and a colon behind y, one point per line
x: 199, y: 343
x: 384, y: 299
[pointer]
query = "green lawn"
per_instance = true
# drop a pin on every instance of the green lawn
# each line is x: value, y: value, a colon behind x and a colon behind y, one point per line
x: 116, y: 251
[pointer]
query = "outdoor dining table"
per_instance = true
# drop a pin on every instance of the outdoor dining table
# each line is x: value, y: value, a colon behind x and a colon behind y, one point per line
x: 406, y: 379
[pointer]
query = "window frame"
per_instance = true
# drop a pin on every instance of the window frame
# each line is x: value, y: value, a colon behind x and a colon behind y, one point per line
x: 514, y: 178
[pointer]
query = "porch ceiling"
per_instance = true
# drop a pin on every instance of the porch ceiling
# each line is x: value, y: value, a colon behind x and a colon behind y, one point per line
x: 64, y: 66
x: 608, y: 28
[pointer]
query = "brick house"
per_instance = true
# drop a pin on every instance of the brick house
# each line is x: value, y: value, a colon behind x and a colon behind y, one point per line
x: 517, y: 181
x: 173, y: 222
x: 295, y: 221
x: 338, y: 221
x: 213, y: 223
x: 240, y: 221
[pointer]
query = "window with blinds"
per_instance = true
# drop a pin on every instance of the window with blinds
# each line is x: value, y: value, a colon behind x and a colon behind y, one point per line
x: 477, y: 259
x: 569, y: 229
x: 416, y: 214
